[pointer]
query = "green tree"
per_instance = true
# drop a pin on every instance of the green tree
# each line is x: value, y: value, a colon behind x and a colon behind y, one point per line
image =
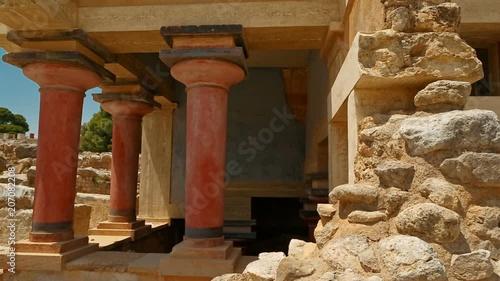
x: 20, y: 121
x: 12, y: 123
x: 5, y: 116
x: 96, y: 134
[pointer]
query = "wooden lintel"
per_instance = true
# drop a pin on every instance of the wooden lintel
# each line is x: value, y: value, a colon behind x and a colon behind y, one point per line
x: 148, y: 78
x: 69, y: 45
x: 20, y: 37
x: 67, y: 57
x: 39, y: 15
x: 212, y: 35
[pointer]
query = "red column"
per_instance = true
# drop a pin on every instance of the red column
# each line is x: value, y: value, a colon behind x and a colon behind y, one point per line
x: 207, y: 85
x: 127, y: 130
x: 62, y: 91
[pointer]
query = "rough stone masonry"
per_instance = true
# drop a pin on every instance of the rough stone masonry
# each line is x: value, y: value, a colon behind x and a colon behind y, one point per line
x: 425, y: 205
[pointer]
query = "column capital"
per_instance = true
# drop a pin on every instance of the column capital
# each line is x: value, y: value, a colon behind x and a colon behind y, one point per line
x: 207, y: 72
x: 61, y: 76
x: 126, y: 108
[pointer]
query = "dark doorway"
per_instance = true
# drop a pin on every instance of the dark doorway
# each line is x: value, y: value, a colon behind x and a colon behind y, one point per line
x: 277, y: 222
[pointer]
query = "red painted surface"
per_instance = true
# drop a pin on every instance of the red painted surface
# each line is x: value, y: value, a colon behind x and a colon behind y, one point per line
x: 207, y: 84
x: 62, y: 91
x: 127, y: 131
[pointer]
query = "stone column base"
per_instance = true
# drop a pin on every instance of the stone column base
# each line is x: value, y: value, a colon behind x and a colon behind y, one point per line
x: 136, y: 230
x: 47, y: 256
x: 195, y: 263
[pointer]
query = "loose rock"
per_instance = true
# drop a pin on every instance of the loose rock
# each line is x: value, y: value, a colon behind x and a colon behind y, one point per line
x: 291, y: 269
x: 302, y: 250
x: 264, y: 269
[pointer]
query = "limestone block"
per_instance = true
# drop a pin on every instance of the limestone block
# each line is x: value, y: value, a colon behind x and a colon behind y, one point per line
x: 323, y: 233
x: 444, y: 17
x: 440, y: 192
x: 363, y: 217
x: 326, y: 210
x: 392, y: 199
x: 302, y: 250
x: 92, y: 180
x: 95, y: 160
x: 443, y: 95
x: 23, y: 165
x: 81, y: 219
x: 473, y: 130
x: 430, y: 222
x: 472, y: 266
x: 354, y: 193
x: 265, y: 268
x: 395, y: 174
x: 476, y: 169
x: 411, y: 259
x: 30, y: 174
x: 393, y: 58
x: 484, y: 222
x: 342, y: 253
x: 25, y: 151
x: 291, y: 269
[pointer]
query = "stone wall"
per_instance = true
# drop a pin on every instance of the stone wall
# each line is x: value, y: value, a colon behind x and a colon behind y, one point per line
x: 93, y: 175
x: 90, y: 209
x: 423, y: 200
x: 93, y: 180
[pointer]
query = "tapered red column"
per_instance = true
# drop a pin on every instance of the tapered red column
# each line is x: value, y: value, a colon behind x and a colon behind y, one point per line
x: 207, y: 85
x: 62, y: 91
x: 127, y: 130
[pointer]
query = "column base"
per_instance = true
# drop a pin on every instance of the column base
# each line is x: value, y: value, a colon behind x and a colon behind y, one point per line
x: 136, y: 230
x: 48, y: 256
x: 188, y: 262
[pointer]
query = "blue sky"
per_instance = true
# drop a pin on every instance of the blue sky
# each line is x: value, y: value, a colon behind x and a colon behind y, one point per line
x: 20, y: 95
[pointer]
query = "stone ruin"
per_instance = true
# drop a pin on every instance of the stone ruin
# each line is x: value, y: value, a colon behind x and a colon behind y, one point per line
x: 425, y: 203
x: 92, y: 185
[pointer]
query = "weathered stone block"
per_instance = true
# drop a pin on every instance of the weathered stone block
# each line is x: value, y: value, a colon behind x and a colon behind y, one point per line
x: 411, y: 259
x: 430, y: 222
x: 354, y: 193
x: 473, y: 130
x: 473, y: 266
x: 443, y: 95
x: 476, y: 169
